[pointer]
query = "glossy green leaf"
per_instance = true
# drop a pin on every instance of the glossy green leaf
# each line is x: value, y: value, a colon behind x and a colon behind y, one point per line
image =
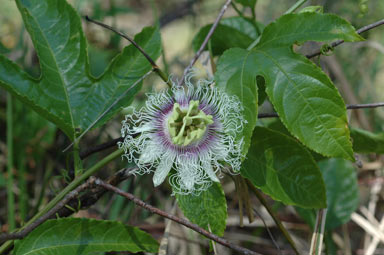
x: 282, y: 168
x: 231, y: 32
x: 342, y: 193
x: 208, y: 210
x: 65, y: 93
x: 367, y: 142
x: 279, y: 127
x: 249, y: 3
x: 306, y: 100
x: 84, y: 236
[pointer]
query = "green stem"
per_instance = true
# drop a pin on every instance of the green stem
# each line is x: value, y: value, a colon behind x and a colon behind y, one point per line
x: 47, y: 175
x: 77, y: 161
x: 255, y: 21
x: 237, y: 10
x: 23, y: 198
x: 254, y: 43
x: 273, y: 215
x: 253, y: 11
x: 295, y: 6
x: 75, y: 183
x: 10, y: 196
x: 163, y: 76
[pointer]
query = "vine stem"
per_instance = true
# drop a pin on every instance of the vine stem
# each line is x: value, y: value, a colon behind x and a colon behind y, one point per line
x: 71, y: 186
x: 205, y: 42
x: 183, y: 222
x: 295, y: 6
x: 77, y: 160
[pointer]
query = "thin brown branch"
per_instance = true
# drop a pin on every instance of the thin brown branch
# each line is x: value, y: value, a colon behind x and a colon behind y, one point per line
x: 364, y: 106
x: 205, y: 42
x: 359, y: 31
x: 91, y: 196
x: 186, y: 223
x: 156, y: 69
x: 150, y: 60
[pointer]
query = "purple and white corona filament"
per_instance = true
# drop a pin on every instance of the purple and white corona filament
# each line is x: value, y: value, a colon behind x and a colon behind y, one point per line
x: 192, y: 130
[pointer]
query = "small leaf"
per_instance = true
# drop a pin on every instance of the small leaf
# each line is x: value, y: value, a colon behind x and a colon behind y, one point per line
x: 84, y: 236
x: 367, y: 142
x: 284, y: 169
x: 342, y: 193
x: 208, y: 210
x: 306, y: 100
x: 231, y: 32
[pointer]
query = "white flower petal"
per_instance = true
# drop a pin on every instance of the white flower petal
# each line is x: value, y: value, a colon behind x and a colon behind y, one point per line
x: 188, y: 172
x: 150, y: 153
x: 209, y: 170
x: 163, y: 169
x: 188, y: 182
x: 144, y: 128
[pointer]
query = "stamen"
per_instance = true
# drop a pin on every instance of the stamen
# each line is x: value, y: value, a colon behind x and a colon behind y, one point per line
x: 188, y: 125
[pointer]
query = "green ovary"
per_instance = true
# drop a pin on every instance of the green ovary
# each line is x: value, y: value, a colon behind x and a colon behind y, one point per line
x: 188, y: 125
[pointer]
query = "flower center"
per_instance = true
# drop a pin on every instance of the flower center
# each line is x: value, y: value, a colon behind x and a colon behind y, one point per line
x: 188, y: 125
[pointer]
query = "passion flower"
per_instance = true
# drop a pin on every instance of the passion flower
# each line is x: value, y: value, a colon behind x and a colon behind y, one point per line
x: 192, y: 130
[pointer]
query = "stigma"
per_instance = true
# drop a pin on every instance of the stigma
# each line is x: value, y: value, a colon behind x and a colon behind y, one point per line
x: 187, y: 125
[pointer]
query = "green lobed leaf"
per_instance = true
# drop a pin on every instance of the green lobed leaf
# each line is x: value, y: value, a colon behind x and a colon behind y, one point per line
x: 342, y: 193
x: 65, y: 93
x: 367, y: 142
x: 231, y: 32
x: 306, y: 100
x: 208, y: 210
x: 282, y: 168
x: 84, y: 236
